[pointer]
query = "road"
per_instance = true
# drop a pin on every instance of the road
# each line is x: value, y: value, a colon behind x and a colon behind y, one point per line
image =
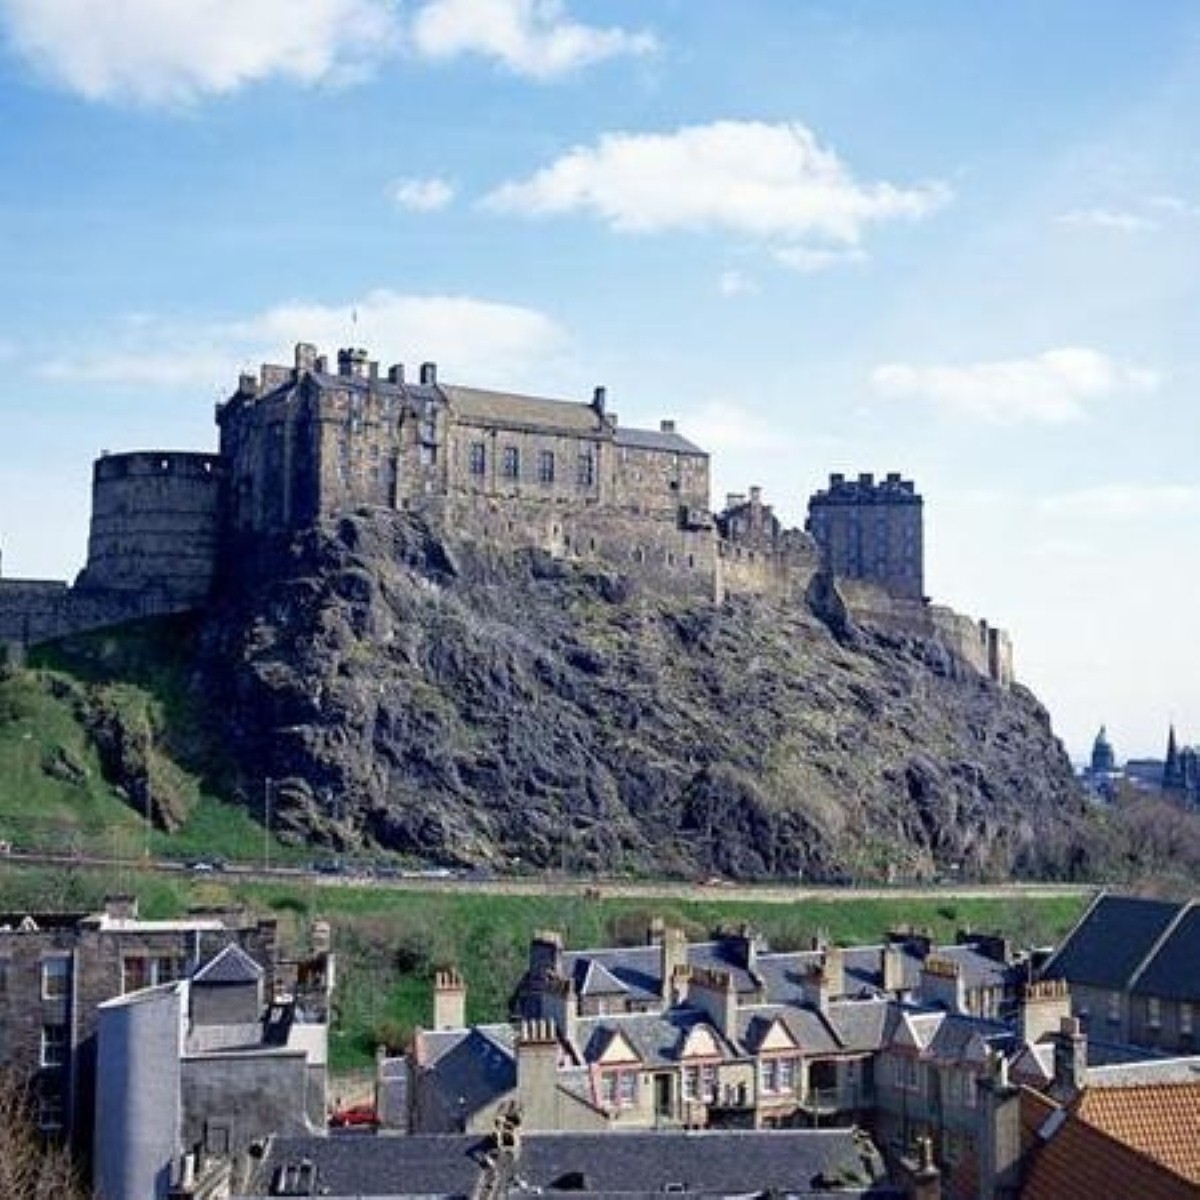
x: 552, y: 885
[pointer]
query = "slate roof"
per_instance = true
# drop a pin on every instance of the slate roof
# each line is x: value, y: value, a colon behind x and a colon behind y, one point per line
x: 232, y: 965
x: 381, y: 1168
x: 510, y: 408
x: 470, y: 1068
x: 792, y: 1161
x: 808, y: 1028
x: 1173, y: 971
x: 636, y: 968
x: 627, y: 1164
x: 861, y: 1024
x: 656, y: 439
x: 657, y: 1038
x: 1111, y: 941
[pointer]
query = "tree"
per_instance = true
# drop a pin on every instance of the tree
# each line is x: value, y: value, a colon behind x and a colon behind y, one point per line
x: 30, y: 1167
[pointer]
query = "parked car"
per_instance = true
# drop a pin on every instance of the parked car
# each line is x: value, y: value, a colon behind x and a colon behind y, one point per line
x: 356, y: 1116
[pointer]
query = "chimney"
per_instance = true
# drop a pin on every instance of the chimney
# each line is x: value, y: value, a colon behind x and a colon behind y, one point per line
x: 835, y: 971
x: 999, y: 1137
x: 713, y: 992
x: 815, y: 986
x: 396, y: 373
x: 545, y: 953
x: 321, y: 937
x: 247, y: 384
x: 561, y: 1007
x: 373, y: 371
x: 942, y: 983
x: 1044, y: 1007
x: 734, y: 499
x: 599, y: 399
x: 1070, y: 1061
x: 429, y: 374
x: 666, y: 426
x: 322, y: 365
x: 922, y: 1179
x: 892, y: 969
x: 449, y: 1000
x: 352, y: 362
x: 537, y: 1072
x: 654, y: 931
x: 121, y: 908
x: 306, y: 356
x: 673, y: 962
x: 742, y: 947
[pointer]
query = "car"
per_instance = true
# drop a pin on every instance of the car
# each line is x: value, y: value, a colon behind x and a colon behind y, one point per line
x: 355, y: 1116
x: 201, y: 866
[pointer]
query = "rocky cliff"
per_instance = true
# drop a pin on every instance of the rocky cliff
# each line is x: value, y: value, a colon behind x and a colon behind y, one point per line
x: 483, y: 708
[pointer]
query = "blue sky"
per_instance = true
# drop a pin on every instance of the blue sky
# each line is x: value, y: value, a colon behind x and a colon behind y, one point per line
x: 957, y: 239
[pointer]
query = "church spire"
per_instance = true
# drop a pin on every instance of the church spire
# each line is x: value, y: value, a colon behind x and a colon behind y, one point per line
x: 1172, y: 777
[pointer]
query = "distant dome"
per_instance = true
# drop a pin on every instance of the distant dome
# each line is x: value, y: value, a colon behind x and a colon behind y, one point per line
x: 1104, y: 760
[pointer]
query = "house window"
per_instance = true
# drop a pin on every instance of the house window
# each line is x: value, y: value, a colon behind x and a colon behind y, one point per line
x: 55, y: 977
x: 545, y: 466
x: 1114, y: 1007
x: 618, y: 1089
x: 1153, y: 1012
x: 54, y: 1045
x: 778, y: 1075
x: 585, y: 471
x: 50, y: 1110
x: 700, y: 1082
x: 478, y: 458
x: 511, y: 463
x: 1186, y: 1017
x: 142, y: 970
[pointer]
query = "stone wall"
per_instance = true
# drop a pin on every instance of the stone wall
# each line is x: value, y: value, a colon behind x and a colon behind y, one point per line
x: 154, y: 525
x: 985, y: 648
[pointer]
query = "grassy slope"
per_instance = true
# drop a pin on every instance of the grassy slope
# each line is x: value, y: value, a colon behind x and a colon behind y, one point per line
x: 389, y: 942
x: 54, y: 793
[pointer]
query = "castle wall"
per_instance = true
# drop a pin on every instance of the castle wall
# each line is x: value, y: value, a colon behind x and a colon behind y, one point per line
x: 987, y: 649
x: 874, y: 605
x: 154, y: 524
x: 753, y: 571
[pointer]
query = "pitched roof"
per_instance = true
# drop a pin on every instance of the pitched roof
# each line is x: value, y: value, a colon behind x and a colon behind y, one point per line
x: 1129, y: 1141
x: 1111, y: 941
x: 468, y: 1069
x: 657, y: 439
x: 1160, y: 1121
x: 1173, y: 971
x: 231, y: 965
x: 511, y: 408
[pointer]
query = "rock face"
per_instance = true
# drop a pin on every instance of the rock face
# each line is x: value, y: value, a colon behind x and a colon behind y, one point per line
x: 477, y: 708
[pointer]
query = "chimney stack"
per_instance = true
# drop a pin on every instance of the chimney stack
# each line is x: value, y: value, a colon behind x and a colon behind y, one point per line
x: 429, y: 374
x: 449, y: 1000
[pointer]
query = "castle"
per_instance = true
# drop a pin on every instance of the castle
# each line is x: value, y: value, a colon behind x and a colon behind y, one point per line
x: 305, y: 441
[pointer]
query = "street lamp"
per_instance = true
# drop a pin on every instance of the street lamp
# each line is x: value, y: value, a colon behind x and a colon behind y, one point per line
x: 268, y: 795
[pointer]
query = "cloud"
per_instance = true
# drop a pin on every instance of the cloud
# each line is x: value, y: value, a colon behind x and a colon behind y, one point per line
x: 503, y: 343
x: 1124, y: 500
x: 533, y: 38
x: 720, y: 426
x: 774, y: 182
x: 1105, y: 218
x: 1051, y: 388
x: 172, y: 52
x: 421, y: 195
x: 808, y: 261
x: 736, y: 283
x: 1177, y: 206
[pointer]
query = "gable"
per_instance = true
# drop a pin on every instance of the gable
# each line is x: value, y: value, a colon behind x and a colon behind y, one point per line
x: 701, y: 1042
x: 618, y: 1050
x: 777, y: 1038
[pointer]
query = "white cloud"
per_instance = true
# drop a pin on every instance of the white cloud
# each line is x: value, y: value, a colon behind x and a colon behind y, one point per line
x: 1051, y: 388
x: 1106, y: 218
x: 723, y: 426
x: 808, y: 261
x: 1175, y: 205
x: 534, y: 38
x: 1125, y: 500
x: 505, y: 344
x: 175, y: 51
x: 421, y: 195
x: 736, y: 283
x: 774, y: 182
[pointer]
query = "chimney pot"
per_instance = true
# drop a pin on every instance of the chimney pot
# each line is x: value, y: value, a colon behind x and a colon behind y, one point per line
x: 666, y: 426
x: 429, y: 374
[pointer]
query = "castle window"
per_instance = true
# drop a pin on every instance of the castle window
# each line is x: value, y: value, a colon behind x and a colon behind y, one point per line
x: 1185, y: 1018
x: 511, y: 463
x: 428, y: 456
x: 478, y: 458
x: 545, y: 466
x: 585, y: 474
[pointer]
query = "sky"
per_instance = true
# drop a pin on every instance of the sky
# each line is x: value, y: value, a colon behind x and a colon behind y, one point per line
x: 951, y: 238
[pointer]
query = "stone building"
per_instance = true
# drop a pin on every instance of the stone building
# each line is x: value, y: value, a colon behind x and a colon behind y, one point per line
x: 305, y: 441
x: 871, y: 531
x: 57, y: 969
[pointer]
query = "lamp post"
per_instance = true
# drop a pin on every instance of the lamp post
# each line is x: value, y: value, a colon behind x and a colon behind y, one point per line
x: 268, y: 796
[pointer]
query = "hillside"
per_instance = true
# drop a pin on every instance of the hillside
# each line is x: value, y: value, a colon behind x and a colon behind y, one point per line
x: 489, y: 709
